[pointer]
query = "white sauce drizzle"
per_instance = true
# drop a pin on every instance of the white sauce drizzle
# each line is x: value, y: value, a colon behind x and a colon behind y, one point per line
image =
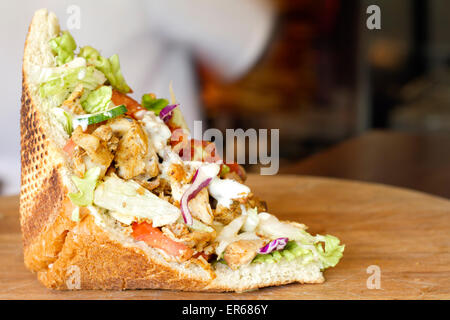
x: 226, y: 190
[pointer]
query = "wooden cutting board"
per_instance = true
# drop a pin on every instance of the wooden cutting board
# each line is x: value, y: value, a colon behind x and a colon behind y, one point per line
x: 404, y: 234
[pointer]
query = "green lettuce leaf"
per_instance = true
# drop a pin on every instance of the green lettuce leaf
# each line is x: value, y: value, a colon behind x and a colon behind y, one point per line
x: 63, y: 47
x: 290, y: 252
x: 64, y: 118
x: 130, y: 200
x: 110, y: 67
x: 153, y: 104
x: 61, y: 81
x: 97, y: 100
x: 331, y: 252
x: 86, y: 185
x: 328, y: 256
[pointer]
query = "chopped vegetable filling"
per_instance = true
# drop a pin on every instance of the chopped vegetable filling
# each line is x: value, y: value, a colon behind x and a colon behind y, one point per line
x: 136, y: 162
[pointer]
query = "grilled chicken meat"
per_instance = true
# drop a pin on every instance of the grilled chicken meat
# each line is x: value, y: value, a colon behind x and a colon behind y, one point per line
x: 149, y: 184
x: 95, y: 147
x: 200, y: 207
x: 79, y: 167
x: 241, y: 252
x: 226, y: 215
x: 255, y: 202
x: 133, y: 156
x: 198, y: 239
x: 105, y: 133
x: 194, y: 239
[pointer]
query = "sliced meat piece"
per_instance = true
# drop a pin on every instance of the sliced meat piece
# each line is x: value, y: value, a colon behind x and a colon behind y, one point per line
x: 198, y: 239
x: 255, y: 202
x: 193, y: 239
x: 163, y: 188
x: 151, y: 168
x: 79, y: 167
x: 177, y: 173
x: 95, y: 147
x: 241, y: 252
x: 147, y: 183
x: 105, y: 133
x: 200, y: 207
x: 226, y: 215
x: 178, y: 229
x: 133, y: 156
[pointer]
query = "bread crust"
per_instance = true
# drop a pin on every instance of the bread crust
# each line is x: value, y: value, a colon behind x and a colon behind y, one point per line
x: 54, y: 245
x: 79, y: 255
x: 90, y: 259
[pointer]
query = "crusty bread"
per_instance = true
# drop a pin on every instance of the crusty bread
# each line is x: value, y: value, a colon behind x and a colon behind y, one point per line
x: 54, y: 245
x: 92, y: 253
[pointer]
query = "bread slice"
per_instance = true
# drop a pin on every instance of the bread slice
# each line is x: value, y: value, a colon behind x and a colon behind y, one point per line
x: 92, y: 253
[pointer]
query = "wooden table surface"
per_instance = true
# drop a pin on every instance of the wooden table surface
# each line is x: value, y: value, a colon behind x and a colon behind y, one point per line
x: 415, y: 161
x: 405, y: 234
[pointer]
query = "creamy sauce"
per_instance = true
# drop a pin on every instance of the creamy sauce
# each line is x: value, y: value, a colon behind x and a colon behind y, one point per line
x: 169, y: 158
x: 209, y: 170
x: 193, y: 165
x: 82, y: 122
x: 157, y: 131
x: 225, y: 190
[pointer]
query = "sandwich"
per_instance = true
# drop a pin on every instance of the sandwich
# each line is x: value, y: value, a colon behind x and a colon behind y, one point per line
x: 116, y: 195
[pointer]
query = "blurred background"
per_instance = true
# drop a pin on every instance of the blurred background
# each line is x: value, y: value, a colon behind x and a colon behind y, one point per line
x: 310, y: 68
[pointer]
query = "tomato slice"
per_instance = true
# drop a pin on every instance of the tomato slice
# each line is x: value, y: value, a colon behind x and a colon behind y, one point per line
x: 132, y: 105
x: 155, y: 238
x: 69, y: 148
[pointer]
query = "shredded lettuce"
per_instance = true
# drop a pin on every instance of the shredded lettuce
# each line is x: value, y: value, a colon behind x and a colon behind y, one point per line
x: 228, y: 234
x: 97, y: 100
x: 63, y: 47
x: 197, y: 225
x: 110, y: 67
x: 252, y: 220
x: 290, y: 252
x: 86, y: 185
x: 325, y: 249
x: 272, y: 228
x: 149, y: 102
x: 129, y: 199
x: 61, y: 81
x: 332, y: 253
x: 328, y: 257
x: 64, y: 118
